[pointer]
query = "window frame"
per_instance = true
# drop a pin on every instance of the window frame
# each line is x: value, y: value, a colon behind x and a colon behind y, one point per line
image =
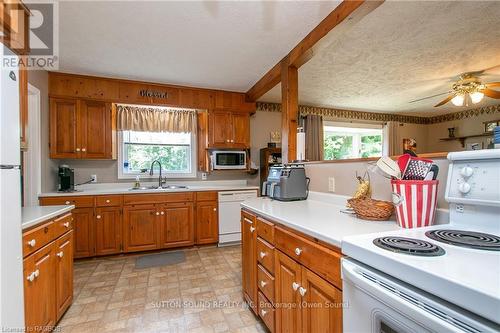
x: 168, y: 174
x: 357, y: 125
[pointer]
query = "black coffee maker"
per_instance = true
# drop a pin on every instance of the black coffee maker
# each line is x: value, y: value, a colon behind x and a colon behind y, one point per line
x: 66, y: 179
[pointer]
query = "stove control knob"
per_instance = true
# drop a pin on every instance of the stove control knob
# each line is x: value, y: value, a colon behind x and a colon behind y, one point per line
x: 466, y: 172
x: 464, y: 188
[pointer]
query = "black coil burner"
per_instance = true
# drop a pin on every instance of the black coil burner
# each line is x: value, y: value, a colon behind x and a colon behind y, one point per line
x: 411, y: 246
x: 463, y: 238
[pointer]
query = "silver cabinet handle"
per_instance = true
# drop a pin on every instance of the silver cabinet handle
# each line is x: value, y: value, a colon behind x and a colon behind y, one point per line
x: 98, y: 217
x: 232, y: 140
x: 157, y: 213
x: 215, y: 209
x: 298, y: 251
x: 263, y: 312
x: 77, y: 149
x: 162, y: 213
x: 247, y: 220
x: 252, y: 229
x: 263, y: 284
x: 302, y: 291
x: 108, y: 201
x: 36, y: 273
x: 67, y: 202
x: 295, y: 286
x: 32, y: 243
x: 60, y: 254
x: 31, y: 277
x: 84, y: 149
x: 66, y: 224
x: 262, y: 255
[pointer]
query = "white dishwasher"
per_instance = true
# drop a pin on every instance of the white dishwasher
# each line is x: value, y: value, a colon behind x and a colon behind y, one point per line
x: 229, y: 215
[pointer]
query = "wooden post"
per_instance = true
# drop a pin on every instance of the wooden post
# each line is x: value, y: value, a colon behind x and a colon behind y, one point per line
x: 289, y: 111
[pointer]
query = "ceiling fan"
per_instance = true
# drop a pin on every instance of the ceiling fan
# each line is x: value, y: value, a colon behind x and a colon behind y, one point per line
x: 467, y: 89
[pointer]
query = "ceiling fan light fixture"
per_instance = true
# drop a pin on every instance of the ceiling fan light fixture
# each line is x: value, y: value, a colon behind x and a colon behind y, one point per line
x: 476, y: 97
x: 458, y: 100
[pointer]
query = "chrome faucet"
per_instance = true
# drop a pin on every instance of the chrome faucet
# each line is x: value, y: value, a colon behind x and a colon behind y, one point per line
x: 151, y: 171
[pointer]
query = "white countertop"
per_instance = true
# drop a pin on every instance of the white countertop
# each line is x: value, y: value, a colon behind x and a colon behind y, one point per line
x: 124, y: 188
x: 31, y: 216
x: 319, y: 216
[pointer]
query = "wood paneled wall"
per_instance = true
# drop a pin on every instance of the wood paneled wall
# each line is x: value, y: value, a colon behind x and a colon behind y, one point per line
x: 126, y: 91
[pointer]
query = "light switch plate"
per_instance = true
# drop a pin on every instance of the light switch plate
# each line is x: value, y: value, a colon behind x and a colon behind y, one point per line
x: 331, y: 184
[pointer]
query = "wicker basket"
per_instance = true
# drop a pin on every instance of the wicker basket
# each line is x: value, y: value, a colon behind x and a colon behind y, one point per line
x: 370, y: 209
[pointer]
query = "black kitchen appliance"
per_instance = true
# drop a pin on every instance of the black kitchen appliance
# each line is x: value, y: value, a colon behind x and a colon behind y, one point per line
x: 66, y: 177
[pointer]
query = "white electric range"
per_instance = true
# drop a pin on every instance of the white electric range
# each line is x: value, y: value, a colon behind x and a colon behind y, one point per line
x: 444, y: 278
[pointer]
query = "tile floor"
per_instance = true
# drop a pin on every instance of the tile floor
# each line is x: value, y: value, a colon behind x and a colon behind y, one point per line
x: 202, y: 294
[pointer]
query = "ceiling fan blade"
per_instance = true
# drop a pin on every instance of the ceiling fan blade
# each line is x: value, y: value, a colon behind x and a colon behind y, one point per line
x: 444, y: 101
x: 493, y: 84
x: 491, y: 93
x: 424, y: 98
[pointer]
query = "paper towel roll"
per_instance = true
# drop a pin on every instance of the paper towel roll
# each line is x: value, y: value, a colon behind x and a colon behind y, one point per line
x: 301, y: 145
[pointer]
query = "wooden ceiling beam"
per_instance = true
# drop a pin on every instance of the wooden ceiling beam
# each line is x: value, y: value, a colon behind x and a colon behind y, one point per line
x: 353, y: 11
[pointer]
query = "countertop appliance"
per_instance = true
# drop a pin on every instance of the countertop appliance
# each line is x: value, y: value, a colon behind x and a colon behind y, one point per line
x: 11, y: 255
x: 286, y: 183
x: 66, y: 177
x: 230, y: 215
x: 443, y: 278
x: 229, y: 159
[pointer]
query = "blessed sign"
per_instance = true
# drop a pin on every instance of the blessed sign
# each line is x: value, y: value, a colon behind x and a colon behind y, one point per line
x: 153, y: 93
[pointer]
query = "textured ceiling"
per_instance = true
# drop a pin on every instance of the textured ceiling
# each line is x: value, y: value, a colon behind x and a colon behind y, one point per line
x: 400, y: 52
x: 215, y: 44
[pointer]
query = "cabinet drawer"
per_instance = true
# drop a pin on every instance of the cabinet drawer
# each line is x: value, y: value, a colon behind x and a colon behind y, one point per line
x: 38, y: 237
x: 319, y: 259
x: 206, y: 196
x: 265, y: 282
x: 63, y: 224
x: 78, y: 201
x: 265, y: 254
x: 265, y: 230
x: 179, y: 197
x: 136, y: 199
x: 108, y: 200
x: 266, y: 312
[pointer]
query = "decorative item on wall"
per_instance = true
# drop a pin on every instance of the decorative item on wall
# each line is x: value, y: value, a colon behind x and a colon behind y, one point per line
x: 451, y: 132
x: 489, y: 126
x: 409, y: 144
x: 274, y: 139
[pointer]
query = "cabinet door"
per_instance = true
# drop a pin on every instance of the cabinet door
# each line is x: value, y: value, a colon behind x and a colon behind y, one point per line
x: 249, y: 259
x: 108, y: 230
x: 40, y: 289
x: 140, y: 228
x: 325, y: 312
x: 95, y: 129
x: 64, y: 141
x: 64, y: 273
x: 177, y: 225
x: 220, y: 130
x: 240, y: 130
x: 207, y: 222
x: 286, y: 288
x: 83, y: 225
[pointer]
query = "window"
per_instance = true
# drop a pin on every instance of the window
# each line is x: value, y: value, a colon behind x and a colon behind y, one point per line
x: 347, y: 140
x: 175, y: 151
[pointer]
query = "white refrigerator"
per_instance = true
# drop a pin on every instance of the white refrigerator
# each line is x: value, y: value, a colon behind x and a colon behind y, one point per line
x: 11, y: 259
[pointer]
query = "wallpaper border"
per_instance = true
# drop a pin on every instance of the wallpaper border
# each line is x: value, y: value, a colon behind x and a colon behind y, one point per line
x: 374, y: 116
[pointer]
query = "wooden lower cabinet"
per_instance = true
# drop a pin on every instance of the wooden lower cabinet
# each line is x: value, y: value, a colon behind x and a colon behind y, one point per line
x: 108, y: 230
x: 176, y: 225
x: 48, y: 281
x: 64, y: 273
x: 83, y: 224
x: 287, y: 281
x: 140, y: 228
x: 207, y: 222
x: 249, y: 259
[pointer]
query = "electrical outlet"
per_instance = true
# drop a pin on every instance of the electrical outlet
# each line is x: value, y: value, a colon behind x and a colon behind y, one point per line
x: 203, y: 176
x: 94, y: 178
x: 331, y: 184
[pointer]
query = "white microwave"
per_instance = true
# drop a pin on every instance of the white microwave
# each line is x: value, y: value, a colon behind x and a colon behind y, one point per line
x: 229, y: 159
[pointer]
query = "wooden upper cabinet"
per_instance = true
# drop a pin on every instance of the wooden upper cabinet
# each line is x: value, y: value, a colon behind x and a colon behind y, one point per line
x: 176, y: 224
x: 81, y: 129
x: 14, y: 26
x: 39, y: 288
x: 207, y: 226
x: 229, y: 129
x: 108, y: 230
x: 63, y: 128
